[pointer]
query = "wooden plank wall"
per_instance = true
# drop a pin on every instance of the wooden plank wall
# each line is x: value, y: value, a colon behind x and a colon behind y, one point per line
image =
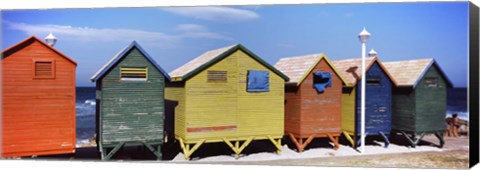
x: 348, y: 109
x: 228, y: 108
x: 321, y: 112
x: 292, y: 110
x: 403, y: 109
x: 212, y: 104
x: 259, y: 113
x: 377, y: 96
x: 176, y: 95
x: 132, y: 110
x: 38, y: 114
x: 431, y: 104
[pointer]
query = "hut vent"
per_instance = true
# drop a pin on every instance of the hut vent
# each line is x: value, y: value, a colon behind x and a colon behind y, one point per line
x: 372, y: 53
x: 50, y: 39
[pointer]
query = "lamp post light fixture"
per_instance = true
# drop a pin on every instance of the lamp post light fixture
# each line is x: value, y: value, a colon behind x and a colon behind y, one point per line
x: 363, y: 36
x: 372, y: 53
x: 50, y: 39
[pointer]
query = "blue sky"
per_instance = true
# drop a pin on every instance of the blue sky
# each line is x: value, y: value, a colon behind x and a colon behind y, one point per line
x: 174, y: 36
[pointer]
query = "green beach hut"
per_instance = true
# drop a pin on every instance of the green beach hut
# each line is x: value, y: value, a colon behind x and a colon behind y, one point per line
x: 130, y: 102
x: 419, y: 98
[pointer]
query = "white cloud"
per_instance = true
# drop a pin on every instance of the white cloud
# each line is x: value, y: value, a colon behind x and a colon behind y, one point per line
x: 222, y: 14
x: 87, y: 34
x: 190, y: 27
x: 348, y: 15
x: 199, y: 31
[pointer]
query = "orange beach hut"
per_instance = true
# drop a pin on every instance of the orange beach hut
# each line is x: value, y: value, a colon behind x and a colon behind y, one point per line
x: 38, y: 100
x: 313, y: 99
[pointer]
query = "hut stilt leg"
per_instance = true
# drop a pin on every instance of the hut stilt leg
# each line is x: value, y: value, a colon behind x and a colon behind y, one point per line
x: 278, y: 144
x: 359, y: 140
x: 295, y: 141
x: 334, y: 139
x: 186, y: 147
x: 103, y: 152
x: 157, y: 152
x: 112, y: 152
x: 309, y: 139
x: 439, y: 135
x: 299, y: 143
x: 237, y: 148
x: 412, y: 139
x: 385, y: 139
x: 349, y: 138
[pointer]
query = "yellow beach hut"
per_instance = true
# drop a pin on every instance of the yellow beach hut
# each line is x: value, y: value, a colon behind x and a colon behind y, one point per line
x: 227, y: 95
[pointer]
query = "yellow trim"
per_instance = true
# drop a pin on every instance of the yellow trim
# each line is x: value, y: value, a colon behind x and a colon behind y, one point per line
x: 323, y: 56
x: 134, y: 70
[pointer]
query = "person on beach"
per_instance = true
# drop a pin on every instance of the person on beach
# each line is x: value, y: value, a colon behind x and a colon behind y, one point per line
x: 452, y: 126
x: 455, y: 125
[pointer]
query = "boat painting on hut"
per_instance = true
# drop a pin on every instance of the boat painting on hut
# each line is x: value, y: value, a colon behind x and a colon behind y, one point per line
x: 130, y: 102
x: 419, y: 99
x: 313, y: 99
x: 38, y: 100
x: 378, y: 99
x: 227, y: 95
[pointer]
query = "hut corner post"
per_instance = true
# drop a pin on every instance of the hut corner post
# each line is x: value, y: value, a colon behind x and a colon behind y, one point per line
x: 187, y: 151
x: 157, y: 152
x: 334, y: 139
x: 349, y: 138
x: 385, y: 139
x: 104, y: 151
x: 278, y: 144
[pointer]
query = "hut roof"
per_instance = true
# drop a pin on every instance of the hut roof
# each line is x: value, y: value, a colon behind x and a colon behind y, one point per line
x: 12, y: 49
x: 297, y: 68
x: 208, y: 58
x: 351, y: 68
x: 409, y: 72
x: 100, y: 73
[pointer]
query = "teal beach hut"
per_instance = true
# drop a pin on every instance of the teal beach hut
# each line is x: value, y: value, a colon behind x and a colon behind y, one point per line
x: 130, y: 102
x: 419, y: 98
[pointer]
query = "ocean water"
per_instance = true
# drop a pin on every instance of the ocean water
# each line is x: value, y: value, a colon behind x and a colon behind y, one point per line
x: 85, y: 107
x: 457, y: 102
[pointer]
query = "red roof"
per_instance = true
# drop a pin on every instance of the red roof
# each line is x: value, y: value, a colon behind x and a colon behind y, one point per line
x: 12, y: 49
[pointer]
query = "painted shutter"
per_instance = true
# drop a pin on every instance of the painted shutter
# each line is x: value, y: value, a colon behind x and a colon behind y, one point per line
x: 258, y: 81
x: 321, y: 80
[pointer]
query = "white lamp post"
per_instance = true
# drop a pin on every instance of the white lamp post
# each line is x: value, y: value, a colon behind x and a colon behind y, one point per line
x: 363, y: 36
x: 50, y: 39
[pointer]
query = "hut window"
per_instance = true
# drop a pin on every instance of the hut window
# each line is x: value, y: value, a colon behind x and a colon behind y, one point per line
x: 322, y: 80
x: 373, y: 80
x: 44, y: 69
x: 257, y: 81
x: 215, y: 76
x: 134, y: 73
x: 431, y: 82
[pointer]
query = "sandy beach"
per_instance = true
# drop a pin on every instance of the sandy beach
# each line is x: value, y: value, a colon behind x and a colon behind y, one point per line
x: 454, y: 154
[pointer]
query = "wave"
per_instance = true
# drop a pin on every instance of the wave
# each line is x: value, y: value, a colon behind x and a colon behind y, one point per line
x: 87, y: 108
x: 91, y: 102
